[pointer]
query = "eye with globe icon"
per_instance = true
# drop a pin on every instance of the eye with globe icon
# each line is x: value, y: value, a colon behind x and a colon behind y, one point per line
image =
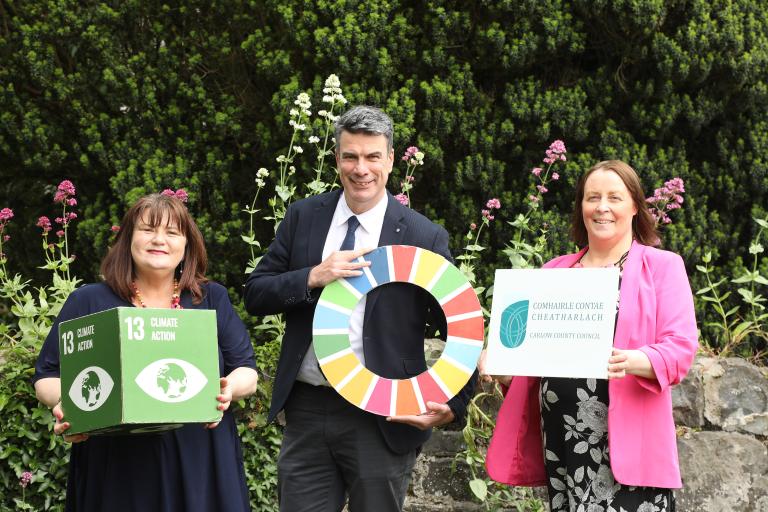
x: 91, y: 388
x: 172, y: 379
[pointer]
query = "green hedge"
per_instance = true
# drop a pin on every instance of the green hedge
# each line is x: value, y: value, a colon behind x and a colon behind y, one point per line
x: 27, y: 442
x: 136, y: 96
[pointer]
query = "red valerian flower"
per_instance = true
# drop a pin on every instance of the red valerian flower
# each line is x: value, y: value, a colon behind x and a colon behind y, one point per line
x: 45, y: 223
x: 180, y: 194
x: 402, y: 199
x: 64, y: 193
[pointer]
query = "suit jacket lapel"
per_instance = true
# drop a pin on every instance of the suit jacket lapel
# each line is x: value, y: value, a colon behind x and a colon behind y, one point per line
x: 393, y: 228
x: 321, y: 222
x: 392, y: 233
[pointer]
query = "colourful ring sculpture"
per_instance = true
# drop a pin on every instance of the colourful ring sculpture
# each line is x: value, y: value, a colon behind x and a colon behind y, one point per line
x: 392, y: 397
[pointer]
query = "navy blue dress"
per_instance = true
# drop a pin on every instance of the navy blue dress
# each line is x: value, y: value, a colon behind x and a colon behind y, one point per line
x: 190, y: 469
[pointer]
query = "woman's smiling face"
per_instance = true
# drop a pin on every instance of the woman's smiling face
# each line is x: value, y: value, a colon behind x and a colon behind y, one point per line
x: 158, y: 248
x: 607, y: 209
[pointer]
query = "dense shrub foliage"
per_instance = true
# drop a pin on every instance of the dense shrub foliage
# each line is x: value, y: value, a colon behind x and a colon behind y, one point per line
x: 131, y: 97
x: 126, y: 98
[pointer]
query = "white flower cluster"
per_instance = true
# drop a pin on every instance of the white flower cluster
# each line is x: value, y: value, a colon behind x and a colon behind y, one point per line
x: 304, y: 103
x: 260, y: 175
x: 324, y: 113
x: 418, y: 158
x: 332, y: 91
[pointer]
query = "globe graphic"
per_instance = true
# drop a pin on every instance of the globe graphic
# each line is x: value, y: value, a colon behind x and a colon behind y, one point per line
x: 91, y: 388
x: 172, y: 379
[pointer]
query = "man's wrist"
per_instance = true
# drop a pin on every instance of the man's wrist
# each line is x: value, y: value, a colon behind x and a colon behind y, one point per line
x: 310, y: 285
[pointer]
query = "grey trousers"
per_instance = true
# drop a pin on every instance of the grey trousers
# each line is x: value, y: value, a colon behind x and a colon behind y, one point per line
x: 332, y: 451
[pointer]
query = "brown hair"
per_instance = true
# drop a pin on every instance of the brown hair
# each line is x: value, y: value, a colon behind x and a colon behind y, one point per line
x: 643, y: 224
x: 117, y: 266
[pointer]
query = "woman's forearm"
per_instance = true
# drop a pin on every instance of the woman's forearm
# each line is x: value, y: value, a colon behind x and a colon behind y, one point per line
x: 243, y: 382
x: 48, y: 391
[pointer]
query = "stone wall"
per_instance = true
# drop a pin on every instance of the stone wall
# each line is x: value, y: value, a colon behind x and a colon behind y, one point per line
x: 721, y: 410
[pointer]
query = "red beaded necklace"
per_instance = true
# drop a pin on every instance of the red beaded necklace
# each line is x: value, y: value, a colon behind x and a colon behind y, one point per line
x: 175, y: 298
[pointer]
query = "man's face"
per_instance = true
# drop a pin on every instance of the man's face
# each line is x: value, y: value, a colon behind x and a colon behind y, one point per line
x: 364, y: 165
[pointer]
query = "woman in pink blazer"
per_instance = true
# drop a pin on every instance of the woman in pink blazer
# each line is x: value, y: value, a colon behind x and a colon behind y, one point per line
x: 608, y: 445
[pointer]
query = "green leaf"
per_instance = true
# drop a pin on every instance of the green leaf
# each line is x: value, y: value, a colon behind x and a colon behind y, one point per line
x: 479, y: 488
x: 746, y: 294
x: 741, y: 328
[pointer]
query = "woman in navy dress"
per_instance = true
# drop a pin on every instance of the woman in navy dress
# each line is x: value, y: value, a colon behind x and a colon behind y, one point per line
x: 158, y: 260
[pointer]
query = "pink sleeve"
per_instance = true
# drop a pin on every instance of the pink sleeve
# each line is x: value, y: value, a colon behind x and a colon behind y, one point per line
x: 676, y: 339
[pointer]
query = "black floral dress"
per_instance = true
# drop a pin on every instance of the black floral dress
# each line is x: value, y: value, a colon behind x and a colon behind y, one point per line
x: 574, y: 425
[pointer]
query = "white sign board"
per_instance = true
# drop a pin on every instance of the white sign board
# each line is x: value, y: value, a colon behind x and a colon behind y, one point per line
x: 555, y: 322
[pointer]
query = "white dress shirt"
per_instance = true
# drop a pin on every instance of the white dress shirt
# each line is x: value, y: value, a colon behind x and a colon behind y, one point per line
x: 367, y: 234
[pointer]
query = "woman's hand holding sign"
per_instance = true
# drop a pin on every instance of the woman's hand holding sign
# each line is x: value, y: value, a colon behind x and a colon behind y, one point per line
x: 504, y: 380
x: 629, y: 362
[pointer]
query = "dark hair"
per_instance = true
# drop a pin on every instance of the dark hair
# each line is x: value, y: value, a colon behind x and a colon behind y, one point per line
x: 365, y: 119
x: 117, y: 266
x: 643, y: 224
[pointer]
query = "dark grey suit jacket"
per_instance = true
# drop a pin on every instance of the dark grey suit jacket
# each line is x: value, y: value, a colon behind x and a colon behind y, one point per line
x: 395, y: 315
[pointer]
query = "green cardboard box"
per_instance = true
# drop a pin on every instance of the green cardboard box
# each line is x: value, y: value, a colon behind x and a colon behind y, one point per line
x: 136, y: 370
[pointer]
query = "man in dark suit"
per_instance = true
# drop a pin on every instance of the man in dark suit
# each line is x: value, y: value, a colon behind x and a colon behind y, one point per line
x: 331, y: 449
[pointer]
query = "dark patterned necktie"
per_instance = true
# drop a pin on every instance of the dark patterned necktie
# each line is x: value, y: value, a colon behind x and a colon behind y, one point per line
x: 349, y: 239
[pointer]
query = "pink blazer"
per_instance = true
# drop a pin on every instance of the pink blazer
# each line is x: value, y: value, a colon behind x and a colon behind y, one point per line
x: 656, y: 316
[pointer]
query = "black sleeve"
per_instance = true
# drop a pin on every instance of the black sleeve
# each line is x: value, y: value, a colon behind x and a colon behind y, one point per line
x: 273, y: 287
x: 234, y: 342
x: 47, y: 364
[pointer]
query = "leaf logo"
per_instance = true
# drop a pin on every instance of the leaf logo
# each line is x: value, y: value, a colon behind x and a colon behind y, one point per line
x: 514, y: 320
x: 91, y: 388
x: 171, y: 380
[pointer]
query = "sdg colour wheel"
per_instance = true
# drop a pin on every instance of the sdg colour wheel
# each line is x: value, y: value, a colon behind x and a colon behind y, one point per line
x: 390, y: 397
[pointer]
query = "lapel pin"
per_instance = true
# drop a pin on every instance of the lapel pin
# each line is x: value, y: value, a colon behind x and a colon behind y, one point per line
x: 397, y: 230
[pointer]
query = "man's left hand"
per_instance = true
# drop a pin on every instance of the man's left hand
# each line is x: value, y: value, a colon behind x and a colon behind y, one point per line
x: 436, y: 415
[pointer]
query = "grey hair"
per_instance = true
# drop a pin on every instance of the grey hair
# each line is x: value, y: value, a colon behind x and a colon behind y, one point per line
x: 365, y: 119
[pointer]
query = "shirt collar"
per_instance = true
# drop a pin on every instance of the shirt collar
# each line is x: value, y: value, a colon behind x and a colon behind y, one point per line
x: 369, y: 219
